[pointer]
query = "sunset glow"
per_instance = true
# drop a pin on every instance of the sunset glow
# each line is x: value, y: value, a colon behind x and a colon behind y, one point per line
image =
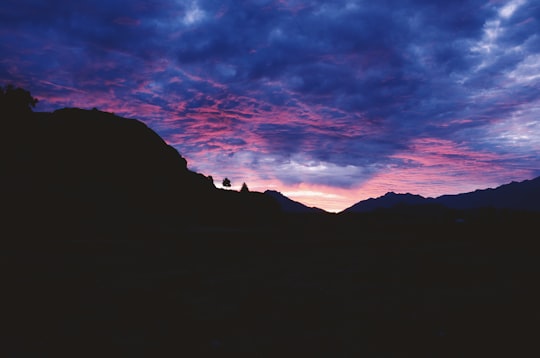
x: 328, y: 102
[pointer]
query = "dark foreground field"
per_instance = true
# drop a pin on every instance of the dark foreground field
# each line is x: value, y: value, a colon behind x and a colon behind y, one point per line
x: 257, y: 293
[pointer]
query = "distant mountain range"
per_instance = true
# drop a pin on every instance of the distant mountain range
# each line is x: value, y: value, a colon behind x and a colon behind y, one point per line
x: 523, y: 195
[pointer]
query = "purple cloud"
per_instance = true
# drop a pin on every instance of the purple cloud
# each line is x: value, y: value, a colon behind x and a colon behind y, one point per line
x: 331, y: 97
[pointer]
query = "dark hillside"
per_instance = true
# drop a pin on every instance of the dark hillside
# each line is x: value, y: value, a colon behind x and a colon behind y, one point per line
x: 80, y: 172
x: 387, y: 201
x: 290, y: 206
x: 521, y: 196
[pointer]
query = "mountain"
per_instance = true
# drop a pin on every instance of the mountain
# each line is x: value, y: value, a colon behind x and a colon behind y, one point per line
x: 78, y: 172
x: 523, y: 195
x: 389, y: 200
x: 290, y: 206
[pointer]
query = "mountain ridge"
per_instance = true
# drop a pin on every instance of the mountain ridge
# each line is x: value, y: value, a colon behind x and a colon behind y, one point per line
x: 291, y: 206
x: 523, y: 195
x: 76, y: 172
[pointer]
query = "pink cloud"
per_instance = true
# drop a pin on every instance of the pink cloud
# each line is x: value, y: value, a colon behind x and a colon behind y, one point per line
x: 439, y: 167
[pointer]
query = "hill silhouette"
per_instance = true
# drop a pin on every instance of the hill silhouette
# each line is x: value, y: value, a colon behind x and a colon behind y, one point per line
x: 290, y: 206
x: 522, y: 196
x: 87, y: 172
x: 389, y: 200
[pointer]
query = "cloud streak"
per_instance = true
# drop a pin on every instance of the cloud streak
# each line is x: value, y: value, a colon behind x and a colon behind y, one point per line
x: 349, y: 99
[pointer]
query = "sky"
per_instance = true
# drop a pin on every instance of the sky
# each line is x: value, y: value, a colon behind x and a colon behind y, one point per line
x: 328, y: 102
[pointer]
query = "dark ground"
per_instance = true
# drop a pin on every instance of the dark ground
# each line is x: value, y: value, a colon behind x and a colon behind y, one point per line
x: 269, y: 293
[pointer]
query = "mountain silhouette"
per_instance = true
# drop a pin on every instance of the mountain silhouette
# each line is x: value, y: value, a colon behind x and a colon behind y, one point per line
x: 389, y: 200
x: 290, y: 206
x: 524, y: 196
x: 88, y: 172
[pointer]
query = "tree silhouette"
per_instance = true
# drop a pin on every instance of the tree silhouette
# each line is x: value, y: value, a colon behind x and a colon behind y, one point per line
x: 244, y: 189
x: 16, y: 99
x: 226, y: 183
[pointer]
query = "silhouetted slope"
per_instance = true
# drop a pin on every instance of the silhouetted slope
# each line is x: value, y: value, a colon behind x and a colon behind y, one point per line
x: 389, y: 200
x: 290, y: 206
x: 75, y: 171
x: 523, y: 195
x: 245, y: 209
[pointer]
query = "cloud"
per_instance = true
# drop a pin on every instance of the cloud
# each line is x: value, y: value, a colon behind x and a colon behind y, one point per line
x: 333, y: 96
